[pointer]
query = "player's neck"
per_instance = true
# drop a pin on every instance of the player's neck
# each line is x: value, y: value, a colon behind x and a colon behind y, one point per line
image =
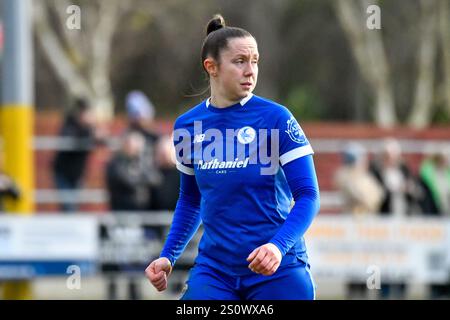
x: 221, y: 102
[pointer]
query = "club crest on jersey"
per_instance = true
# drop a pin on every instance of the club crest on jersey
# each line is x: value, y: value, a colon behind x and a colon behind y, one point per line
x: 294, y: 131
x: 246, y: 135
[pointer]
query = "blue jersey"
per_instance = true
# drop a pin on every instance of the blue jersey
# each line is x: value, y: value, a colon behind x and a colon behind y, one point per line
x: 235, y: 154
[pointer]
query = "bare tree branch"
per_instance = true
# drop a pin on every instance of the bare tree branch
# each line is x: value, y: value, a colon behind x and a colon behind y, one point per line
x: 420, y: 115
x: 368, y: 50
x: 57, y: 57
x: 81, y: 58
x: 101, y: 56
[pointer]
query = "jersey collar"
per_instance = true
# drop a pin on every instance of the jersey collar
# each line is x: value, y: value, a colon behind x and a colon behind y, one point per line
x: 242, y: 102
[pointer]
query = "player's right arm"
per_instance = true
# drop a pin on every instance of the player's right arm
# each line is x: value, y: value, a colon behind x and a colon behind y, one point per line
x: 186, y: 220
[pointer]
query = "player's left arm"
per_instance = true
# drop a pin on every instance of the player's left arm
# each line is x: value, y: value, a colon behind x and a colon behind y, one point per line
x: 301, y: 177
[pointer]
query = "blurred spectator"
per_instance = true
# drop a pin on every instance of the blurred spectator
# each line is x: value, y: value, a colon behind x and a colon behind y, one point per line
x: 401, y: 197
x: 127, y: 179
x: 7, y: 186
x: 361, y: 192
x: 141, y: 112
x: 128, y: 182
x: 401, y: 190
x: 165, y: 195
x: 69, y: 164
x: 128, y: 186
x: 362, y: 195
x: 435, y: 179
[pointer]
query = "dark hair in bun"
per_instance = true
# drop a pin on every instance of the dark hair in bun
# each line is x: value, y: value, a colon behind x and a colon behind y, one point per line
x: 216, y: 23
x: 217, y: 36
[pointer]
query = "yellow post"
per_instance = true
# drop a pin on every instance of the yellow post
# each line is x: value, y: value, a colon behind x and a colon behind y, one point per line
x: 16, y: 116
x: 16, y: 125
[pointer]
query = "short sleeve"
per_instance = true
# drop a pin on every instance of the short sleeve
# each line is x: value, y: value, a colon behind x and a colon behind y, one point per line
x: 182, y: 140
x: 293, y: 141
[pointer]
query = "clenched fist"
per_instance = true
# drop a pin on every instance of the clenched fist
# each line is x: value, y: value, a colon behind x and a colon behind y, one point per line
x: 158, y: 271
x: 265, y: 259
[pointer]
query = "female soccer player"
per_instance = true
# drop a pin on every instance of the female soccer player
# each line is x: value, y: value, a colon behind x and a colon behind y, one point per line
x: 229, y: 151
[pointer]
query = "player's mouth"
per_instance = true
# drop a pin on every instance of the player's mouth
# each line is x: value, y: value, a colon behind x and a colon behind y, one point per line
x: 246, y: 85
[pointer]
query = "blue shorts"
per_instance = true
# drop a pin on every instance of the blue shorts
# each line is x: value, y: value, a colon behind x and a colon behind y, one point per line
x: 291, y: 282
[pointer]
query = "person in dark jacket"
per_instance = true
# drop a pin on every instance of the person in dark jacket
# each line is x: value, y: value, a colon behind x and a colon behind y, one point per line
x: 401, y: 190
x: 140, y: 116
x: 69, y: 163
x: 165, y: 196
x: 127, y: 180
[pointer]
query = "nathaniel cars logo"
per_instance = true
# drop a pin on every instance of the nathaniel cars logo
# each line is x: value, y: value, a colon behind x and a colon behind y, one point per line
x: 216, y: 164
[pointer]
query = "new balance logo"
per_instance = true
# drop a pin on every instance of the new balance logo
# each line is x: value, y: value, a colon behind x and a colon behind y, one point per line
x: 199, y: 138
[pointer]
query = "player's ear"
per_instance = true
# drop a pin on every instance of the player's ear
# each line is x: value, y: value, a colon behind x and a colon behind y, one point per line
x: 210, y: 66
